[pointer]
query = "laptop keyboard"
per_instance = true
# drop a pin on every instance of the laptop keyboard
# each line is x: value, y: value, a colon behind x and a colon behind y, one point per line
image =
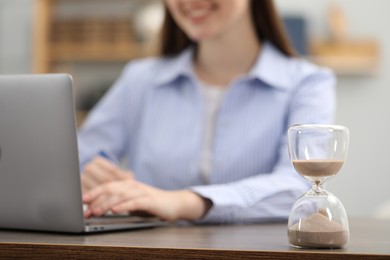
x: 111, y: 219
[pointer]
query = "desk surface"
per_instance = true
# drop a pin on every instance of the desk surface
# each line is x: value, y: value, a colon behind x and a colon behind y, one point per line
x: 369, y: 239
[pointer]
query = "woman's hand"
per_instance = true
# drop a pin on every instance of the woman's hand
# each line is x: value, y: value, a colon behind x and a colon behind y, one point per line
x: 129, y: 195
x: 99, y: 171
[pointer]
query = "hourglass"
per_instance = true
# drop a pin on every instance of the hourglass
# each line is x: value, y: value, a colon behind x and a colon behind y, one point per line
x: 318, y: 219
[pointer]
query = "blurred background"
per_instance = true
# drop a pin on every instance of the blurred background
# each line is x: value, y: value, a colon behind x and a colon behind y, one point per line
x: 94, y: 39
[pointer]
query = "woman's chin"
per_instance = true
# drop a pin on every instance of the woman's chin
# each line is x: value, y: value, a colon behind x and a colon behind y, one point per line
x: 202, y: 36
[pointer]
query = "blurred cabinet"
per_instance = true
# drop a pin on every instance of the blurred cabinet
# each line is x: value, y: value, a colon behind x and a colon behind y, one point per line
x: 105, y: 33
x: 92, y: 40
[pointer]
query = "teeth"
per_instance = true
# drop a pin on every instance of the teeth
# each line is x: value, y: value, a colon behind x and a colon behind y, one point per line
x: 198, y: 13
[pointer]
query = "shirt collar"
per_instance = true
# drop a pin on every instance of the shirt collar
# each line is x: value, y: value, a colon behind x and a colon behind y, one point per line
x: 176, y: 67
x: 273, y: 67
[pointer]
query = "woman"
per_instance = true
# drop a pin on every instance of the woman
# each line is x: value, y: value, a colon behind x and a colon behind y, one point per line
x: 203, y: 127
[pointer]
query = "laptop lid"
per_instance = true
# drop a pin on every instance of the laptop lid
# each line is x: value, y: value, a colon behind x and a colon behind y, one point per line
x: 39, y: 168
x: 40, y: 185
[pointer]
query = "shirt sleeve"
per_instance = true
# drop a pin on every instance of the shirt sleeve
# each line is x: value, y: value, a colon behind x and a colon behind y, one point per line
x: 105, y: 127
x: 270, y: 196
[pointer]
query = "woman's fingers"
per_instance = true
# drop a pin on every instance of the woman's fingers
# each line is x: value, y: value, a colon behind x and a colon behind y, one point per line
x: 137, y: 204
x: 102, y: 198
x: 93, y: 175
x: 111, y: 168
x: 100, y: 171
x: 132, y: 196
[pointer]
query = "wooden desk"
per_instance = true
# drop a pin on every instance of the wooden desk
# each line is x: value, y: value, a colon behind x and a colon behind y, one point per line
x: 370, y: 239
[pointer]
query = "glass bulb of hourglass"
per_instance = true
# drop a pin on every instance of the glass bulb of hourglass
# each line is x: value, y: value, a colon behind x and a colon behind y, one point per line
x: 318, y: 171
x: 318, y: 218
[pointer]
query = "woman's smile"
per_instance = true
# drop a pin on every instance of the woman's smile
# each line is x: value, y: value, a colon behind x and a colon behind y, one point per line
x: 198, y: 11
x: 206, y: 19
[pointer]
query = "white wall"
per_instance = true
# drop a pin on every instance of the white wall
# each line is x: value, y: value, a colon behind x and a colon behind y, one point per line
x: 363, y: 105
x: 15, y: 36
x: 363, y: 102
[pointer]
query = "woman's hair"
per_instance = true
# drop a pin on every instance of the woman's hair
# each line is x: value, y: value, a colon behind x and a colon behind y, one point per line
x: 266, y: 20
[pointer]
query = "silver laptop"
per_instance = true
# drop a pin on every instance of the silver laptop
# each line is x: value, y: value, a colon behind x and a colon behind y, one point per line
x: 39, y: 167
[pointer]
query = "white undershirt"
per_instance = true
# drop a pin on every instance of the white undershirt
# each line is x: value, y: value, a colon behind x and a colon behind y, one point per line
x: 212, y: 98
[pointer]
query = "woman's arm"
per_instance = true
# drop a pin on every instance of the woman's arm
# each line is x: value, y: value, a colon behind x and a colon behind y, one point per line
x: 270, y: 196
x: 128, y: 195
x: 255, y: 199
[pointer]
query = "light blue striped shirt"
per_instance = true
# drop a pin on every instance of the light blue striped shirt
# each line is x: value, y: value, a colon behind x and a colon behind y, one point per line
x: 152, y: 118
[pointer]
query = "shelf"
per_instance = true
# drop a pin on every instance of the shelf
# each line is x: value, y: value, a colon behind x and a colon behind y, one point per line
x: 98, y: 53
x: 349, y: 58
x: 101, y: 36
x: 348, y: 66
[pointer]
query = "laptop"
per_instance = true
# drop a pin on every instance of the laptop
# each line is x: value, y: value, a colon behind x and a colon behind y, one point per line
x: 40, y: 185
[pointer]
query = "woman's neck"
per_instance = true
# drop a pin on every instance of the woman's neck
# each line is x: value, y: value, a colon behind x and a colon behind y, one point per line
x: 224, y: 58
